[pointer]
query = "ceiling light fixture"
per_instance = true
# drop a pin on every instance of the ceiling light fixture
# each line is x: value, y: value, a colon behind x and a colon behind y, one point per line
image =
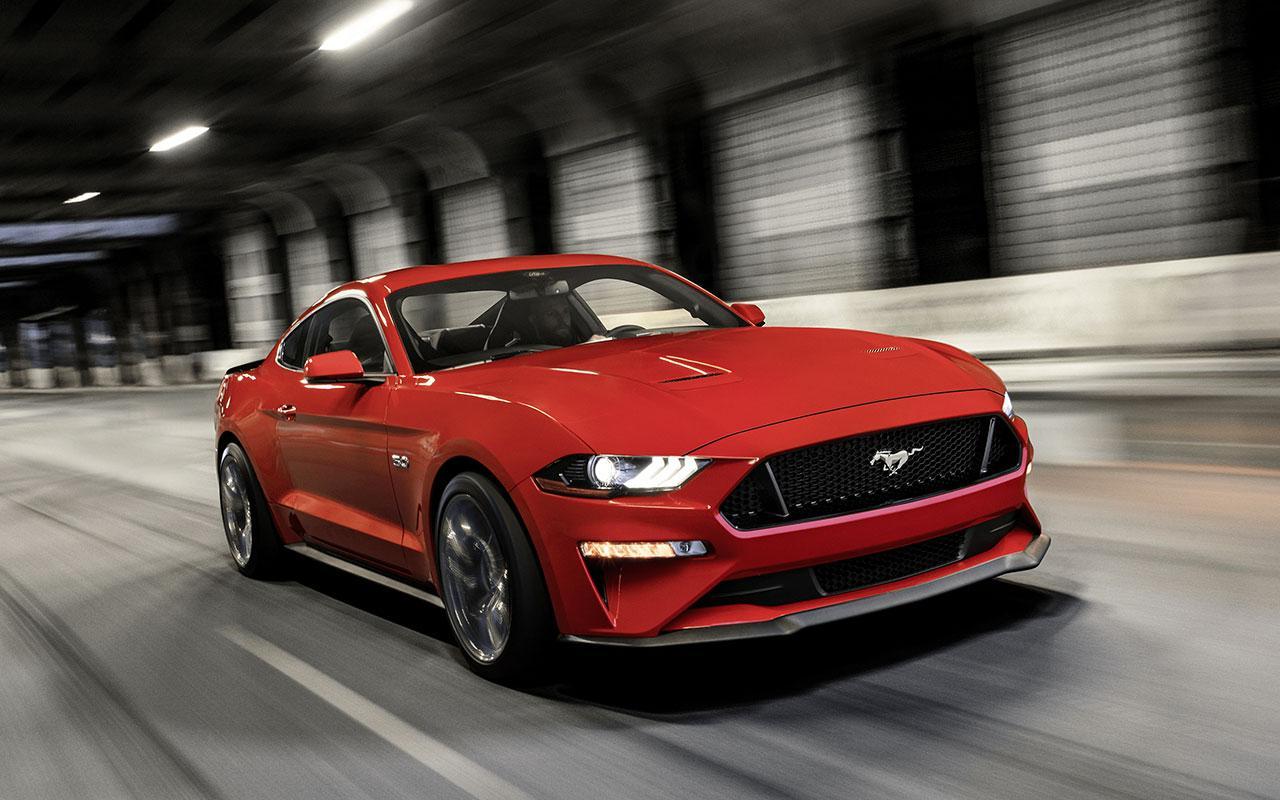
x: 362, y: 27
x: 80, y: 198
x: 181, y: 137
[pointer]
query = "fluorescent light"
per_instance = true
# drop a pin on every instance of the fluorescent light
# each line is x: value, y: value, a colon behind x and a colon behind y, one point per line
x: 181, y: 137
x: 52, y: 258
x: 26, y: 234
x: 365, y: 25
x: 80, y: 198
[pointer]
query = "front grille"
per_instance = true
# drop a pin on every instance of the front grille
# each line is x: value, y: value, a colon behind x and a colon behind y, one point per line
x: 746, y: 503
x: 890, y: 565
x: 872, y: 470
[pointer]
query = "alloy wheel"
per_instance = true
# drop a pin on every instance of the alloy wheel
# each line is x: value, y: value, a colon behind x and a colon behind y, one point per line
x: 237, y: 511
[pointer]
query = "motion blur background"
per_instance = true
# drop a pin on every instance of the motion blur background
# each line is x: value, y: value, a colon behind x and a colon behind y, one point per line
x: 1025, y: 179
x: 1086, y: 194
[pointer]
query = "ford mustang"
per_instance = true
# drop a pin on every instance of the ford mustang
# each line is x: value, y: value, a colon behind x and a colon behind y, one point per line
x: 594, y: 449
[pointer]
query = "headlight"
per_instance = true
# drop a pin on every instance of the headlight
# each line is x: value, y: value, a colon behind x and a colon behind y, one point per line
x: 1007, y: 408
x: 607, y: 476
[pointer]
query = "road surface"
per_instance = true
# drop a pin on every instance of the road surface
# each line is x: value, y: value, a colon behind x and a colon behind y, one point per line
x: 1139, y: 661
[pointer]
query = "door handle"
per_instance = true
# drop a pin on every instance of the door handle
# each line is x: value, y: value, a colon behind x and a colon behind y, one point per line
x: 287, y: 411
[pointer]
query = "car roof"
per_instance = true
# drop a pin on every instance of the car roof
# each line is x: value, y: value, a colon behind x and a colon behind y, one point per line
x: 396, y: 280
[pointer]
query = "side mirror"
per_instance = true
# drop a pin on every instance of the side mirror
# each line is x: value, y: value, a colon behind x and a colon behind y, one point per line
x: 750, y: 312
x: 337, y: 367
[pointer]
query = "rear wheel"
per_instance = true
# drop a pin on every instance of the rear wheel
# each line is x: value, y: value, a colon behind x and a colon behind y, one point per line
x: 491, y: 584
x: 251, y: 535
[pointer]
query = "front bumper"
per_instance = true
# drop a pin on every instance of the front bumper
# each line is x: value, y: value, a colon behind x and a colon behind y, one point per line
x: 658, y: 602
x: 1028, y: 558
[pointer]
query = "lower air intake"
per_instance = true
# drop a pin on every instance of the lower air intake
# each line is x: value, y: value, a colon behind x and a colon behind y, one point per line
x: 890, y: 565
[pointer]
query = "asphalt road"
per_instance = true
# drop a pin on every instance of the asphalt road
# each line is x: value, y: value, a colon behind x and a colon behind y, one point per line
x: 1139, y: 661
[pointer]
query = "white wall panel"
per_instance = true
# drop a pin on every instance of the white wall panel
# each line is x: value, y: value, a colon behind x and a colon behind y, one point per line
x: 605, y: 200
x: 378, y: 241
x: 1202, y: 304
x: 797, y: 191
x: 473, y: 221
x: 1109, y: 139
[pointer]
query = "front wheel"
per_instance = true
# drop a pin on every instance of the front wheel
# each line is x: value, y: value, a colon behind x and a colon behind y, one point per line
x: 491, y: 584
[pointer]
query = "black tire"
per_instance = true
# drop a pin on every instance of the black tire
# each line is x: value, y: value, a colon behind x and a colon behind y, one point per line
x: 525, y: 658
x: 265, y: 556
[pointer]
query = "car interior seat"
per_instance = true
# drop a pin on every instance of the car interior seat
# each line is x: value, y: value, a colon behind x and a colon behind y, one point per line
x: 366, y: 343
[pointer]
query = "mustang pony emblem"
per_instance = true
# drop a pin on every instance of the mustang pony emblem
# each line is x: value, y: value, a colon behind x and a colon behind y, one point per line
x: 894, y: 461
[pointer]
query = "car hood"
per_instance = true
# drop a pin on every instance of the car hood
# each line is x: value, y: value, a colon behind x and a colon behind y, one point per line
x: 673, y: 393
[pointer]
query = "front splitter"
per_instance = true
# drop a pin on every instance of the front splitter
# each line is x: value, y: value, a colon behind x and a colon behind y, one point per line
x: 1030, y: 557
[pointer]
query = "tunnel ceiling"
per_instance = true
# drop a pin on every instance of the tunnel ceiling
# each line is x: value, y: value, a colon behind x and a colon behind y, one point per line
x: 87, y: 85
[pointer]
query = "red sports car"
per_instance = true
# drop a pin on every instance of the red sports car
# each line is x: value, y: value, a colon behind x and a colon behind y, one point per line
x: 595, y: 449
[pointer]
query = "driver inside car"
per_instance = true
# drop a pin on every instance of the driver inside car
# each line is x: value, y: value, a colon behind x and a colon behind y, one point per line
x: 546, y: 319
x: 552, y: 320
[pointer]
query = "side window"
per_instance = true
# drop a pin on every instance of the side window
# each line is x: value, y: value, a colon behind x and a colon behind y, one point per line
x: 293, y: 350
x: 348, y: 325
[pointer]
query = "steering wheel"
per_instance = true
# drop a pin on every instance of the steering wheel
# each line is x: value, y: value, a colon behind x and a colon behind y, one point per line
x: 622, y: 330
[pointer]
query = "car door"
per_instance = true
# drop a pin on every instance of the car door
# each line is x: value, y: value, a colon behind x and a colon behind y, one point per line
x: 333, y: 442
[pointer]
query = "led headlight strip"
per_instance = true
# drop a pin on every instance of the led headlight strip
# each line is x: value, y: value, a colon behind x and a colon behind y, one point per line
x: 609, y: 476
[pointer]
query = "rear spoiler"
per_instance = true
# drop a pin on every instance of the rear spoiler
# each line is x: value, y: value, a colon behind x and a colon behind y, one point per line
x: 245, y: 367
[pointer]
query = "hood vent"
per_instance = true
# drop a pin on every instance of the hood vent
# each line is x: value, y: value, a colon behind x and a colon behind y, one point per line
x: 687, y: 378
x: 700, y: 369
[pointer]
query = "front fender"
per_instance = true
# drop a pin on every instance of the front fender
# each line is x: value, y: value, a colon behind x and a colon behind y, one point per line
x: 510, y: 440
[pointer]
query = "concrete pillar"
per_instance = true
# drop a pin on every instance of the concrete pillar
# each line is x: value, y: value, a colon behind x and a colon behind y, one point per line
x: 253, y: 284
x: 104, y: 376
x: 526, y: 189
x: 40, y: 378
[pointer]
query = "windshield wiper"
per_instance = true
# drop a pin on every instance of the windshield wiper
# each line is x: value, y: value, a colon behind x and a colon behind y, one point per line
x: 500, y: 356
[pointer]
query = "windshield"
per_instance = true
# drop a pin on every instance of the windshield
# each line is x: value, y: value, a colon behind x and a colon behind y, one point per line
x: 481, y: 318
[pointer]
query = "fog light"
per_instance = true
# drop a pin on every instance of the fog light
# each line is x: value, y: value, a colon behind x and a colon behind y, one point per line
x: 615, y: 550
